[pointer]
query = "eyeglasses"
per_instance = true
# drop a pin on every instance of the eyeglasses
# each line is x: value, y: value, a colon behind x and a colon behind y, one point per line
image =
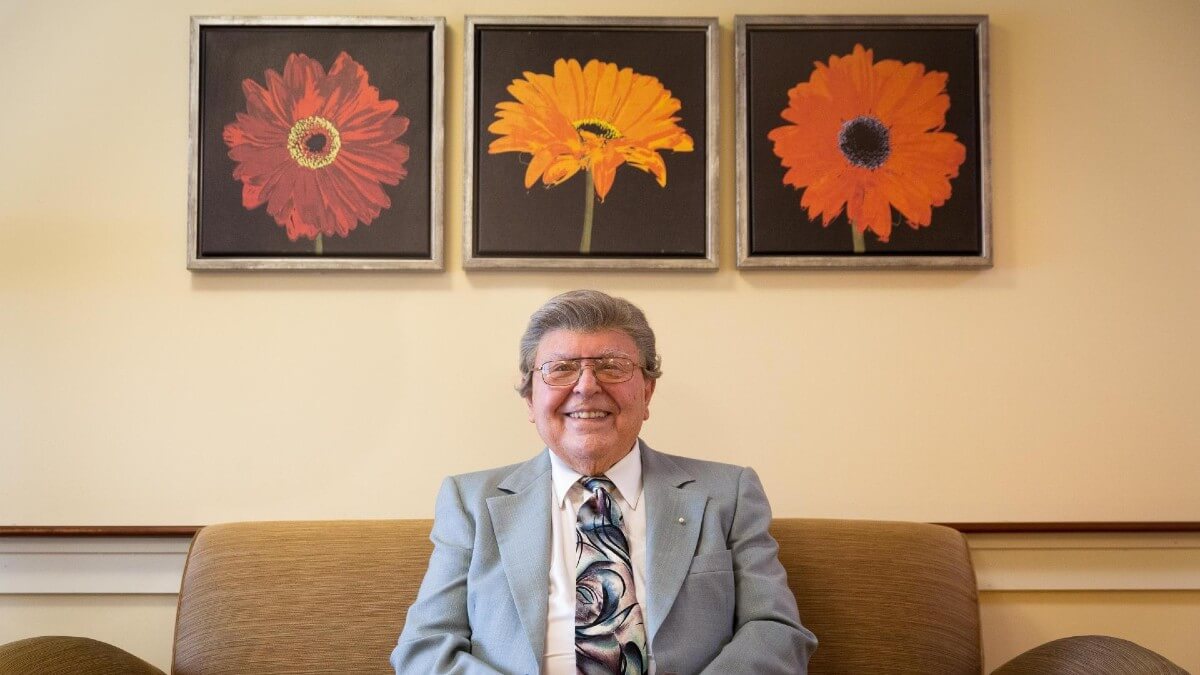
x: 607, y: 369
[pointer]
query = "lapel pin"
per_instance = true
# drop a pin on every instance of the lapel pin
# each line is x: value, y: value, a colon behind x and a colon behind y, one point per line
x: 681, y: 521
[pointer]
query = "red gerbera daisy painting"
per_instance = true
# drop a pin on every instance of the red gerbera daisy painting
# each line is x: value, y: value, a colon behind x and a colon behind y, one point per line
x: 866, y: 137
x: 315, y: 147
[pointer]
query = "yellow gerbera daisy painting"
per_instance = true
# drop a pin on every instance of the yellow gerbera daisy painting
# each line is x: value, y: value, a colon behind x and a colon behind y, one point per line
x: 592, y: 119
x: 872, y: 144
x: 591, y: 144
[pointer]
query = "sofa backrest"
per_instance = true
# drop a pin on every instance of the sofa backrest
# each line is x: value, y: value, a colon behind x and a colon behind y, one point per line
x: 331, y: 596
x: 299, y: 596
x: 883, y: 597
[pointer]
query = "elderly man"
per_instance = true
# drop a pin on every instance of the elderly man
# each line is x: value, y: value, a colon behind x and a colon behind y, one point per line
x: 601, y: 555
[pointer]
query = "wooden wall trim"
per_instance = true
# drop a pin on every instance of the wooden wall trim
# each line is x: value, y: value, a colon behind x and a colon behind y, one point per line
x: 98, y: 530
x: 1076, y: 527
x: 965, y: 528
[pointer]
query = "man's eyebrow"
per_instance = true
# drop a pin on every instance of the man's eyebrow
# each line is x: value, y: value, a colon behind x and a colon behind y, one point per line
x: 613, y: 352
x: 564, y: 356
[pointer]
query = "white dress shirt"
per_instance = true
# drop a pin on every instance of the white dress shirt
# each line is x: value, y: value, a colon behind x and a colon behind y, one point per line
x: 567, y: 497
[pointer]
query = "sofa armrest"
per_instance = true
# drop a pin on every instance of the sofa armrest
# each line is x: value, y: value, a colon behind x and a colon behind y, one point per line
x: 1090, y: 655
x: 65, y: 655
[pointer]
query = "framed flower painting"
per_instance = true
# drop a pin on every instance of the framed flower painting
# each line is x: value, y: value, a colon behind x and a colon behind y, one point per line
x: 590, y: 143
x: 316, y: 143
x: 862, y: 141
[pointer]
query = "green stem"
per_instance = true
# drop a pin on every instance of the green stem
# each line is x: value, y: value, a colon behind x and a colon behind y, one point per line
x: 589, y: 205
x: 860, y: 246
x: 319, y: 247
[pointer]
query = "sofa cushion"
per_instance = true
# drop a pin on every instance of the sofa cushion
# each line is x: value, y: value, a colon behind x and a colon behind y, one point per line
x: 69, y: 655
x: 1090, y: 655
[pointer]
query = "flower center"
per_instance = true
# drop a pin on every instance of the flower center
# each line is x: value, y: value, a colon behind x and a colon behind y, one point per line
x: 314, y: 142
x: 865, y: 142
x: 597, y: 127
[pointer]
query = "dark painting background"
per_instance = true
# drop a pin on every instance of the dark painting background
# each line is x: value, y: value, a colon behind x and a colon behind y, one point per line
x: 398, y: 63
x: 779, y: 58
x: 637, y: 218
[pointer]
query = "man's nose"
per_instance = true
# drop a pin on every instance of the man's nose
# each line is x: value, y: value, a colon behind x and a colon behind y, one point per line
x: 587, y: 382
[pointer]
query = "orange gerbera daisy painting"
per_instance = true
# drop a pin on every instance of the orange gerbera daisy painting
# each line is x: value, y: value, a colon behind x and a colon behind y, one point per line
x: 316, y: 147
x: 867, y: 137
x: 592, y: 118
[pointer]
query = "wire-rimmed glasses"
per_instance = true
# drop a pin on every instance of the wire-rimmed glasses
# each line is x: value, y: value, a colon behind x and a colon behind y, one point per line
x: 607, y: 369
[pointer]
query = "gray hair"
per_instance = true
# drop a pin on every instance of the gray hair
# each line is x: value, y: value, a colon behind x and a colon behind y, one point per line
x: 587, y: 311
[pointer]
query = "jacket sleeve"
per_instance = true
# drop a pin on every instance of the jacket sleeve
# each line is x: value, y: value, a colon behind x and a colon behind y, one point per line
x: 437, y: 633
x: 768, y: 637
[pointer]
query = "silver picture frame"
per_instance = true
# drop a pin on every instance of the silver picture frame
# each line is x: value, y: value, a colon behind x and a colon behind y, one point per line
x: 483, y: 226
x: 412, y: 240
x: 768, y: 236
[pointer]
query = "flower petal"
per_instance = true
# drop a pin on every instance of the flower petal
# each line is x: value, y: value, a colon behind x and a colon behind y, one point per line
x: 604, y: 173
x: 301, y: 77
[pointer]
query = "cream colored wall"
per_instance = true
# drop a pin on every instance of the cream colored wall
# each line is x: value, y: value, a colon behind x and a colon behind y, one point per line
x: 143, y: 625
x: 1060, y: 385
x: 1163, y: 621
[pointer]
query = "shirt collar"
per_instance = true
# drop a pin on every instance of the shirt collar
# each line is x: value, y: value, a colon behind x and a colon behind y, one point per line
x: 626, y: 475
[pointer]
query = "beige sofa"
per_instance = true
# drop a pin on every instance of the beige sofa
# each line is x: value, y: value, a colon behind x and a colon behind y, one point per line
x: 330, y: 597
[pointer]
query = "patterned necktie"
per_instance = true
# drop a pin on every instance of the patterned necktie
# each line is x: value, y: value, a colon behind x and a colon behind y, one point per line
x: 610, y: 636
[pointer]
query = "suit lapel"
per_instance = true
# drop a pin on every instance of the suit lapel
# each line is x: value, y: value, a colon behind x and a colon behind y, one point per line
x: 521, y: 521
x: 670, y: 544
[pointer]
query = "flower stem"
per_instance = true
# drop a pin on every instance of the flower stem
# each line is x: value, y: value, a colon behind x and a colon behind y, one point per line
x: 319, y: 246
x: 860, y: 246
x: 589, y: 205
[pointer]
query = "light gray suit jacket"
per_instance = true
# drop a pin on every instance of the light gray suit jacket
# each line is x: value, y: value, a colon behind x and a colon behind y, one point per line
x: 717, y: 597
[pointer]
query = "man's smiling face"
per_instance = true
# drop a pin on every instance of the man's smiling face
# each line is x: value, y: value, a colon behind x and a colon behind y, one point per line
x: 590, y: 425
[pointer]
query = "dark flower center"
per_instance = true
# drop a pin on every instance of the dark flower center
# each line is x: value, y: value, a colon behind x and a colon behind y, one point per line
x: 865, y: 142
x: 597, y: 127
x: 314, y: 142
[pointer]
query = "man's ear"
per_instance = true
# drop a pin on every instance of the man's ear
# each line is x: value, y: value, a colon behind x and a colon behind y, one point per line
x: 650, y: 384
x: 529, y: 406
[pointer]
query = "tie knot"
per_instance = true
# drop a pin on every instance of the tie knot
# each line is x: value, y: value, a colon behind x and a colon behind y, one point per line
x: 590, y: 483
